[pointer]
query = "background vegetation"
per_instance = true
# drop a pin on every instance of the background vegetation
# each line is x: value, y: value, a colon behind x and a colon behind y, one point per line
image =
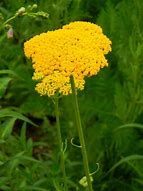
x: 111, y: 105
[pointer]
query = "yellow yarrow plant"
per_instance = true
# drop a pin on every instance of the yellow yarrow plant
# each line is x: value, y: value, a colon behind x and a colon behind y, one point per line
x: 78, y: 50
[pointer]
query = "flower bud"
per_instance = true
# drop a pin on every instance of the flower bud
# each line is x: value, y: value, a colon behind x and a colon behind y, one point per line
x: 42, y: 14
x: 34, y: 6
x: 21, y: 11
x: 10, y: 33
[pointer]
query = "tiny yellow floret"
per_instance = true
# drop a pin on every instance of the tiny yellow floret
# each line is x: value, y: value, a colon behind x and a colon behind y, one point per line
x: 77, y: 49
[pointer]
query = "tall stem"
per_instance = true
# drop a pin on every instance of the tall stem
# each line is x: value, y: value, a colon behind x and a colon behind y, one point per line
x: 60, y: 143
x: 81, y: 136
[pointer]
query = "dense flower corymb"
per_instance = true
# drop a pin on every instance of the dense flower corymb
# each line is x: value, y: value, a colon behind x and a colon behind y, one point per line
x: 77, y: 49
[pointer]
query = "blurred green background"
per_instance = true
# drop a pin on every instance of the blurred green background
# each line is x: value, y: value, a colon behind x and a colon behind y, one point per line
x: 111, y: 105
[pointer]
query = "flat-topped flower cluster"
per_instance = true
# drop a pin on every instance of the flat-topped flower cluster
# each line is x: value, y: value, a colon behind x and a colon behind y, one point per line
x: 77, y: 49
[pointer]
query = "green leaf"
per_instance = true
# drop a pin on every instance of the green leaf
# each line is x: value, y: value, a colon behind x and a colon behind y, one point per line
x: 29, y: 145
x: 23, y: 184
x: 3, y: 85
x: 35, y: 188
x: 15, y: 114
x: 130, y: 125
x: 125, y: 160
x: 26, y: 158
x: 138, y: 180
x: 39, y: 182
x: 57, y: 186
x: 8, y: 127
x: 14, y: 161
x: 3, y: 181
x: 8, y: 72
x: 23, y: 135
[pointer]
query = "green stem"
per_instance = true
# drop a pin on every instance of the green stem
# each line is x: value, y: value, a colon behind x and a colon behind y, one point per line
x: 60, y: 143
x: 81, y: 136
x: 7, y: 21
x: 10, y: 19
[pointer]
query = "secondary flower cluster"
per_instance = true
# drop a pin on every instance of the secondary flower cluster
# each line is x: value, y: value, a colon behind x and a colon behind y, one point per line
x: 77, y: 49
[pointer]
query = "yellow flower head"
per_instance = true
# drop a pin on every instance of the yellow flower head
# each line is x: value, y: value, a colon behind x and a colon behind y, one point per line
x: 77, y: 49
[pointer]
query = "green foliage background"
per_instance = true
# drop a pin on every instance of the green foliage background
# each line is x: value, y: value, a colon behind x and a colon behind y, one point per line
x: 111, y: 105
